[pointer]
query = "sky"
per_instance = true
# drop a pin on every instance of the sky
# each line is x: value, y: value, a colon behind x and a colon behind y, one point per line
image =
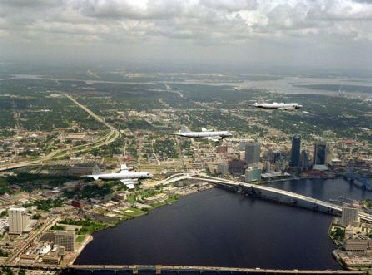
x: 306, y: 33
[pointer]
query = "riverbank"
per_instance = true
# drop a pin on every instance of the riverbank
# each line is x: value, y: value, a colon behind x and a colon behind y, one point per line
x: 137, y: 241
x: 139, y: 209
x: 217, y: 228
x: 351, y: 261
x: 356, y: 259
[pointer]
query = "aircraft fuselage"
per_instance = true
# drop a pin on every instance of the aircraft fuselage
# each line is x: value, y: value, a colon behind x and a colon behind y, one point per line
x: 126, y: 175
x: 217, y: 134
x: 278, y: 105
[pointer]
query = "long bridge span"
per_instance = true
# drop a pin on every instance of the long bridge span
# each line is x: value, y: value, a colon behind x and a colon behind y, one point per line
x: 264, y: 192
x: 280, y: 196
x: 162, y: 269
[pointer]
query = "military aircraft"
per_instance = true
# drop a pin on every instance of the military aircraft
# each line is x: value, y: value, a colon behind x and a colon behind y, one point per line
x: 281, y: 106
x: 129, y: 178
x: 205, y: 133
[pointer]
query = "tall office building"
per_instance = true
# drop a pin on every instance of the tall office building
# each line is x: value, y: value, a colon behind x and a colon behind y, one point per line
x: 320, y: 153
x: 275, y: 156
x: 243, y: 143
x: 18, y: 220
x: 350, y: 216
x: 280, y: 164
x: 252, y: 153
x: 295, y: 152
x: 304, y: 160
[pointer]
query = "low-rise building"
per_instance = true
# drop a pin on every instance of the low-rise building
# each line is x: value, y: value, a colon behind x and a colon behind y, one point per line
x: 252, y: 174
x: 359, y: 244
x: 157, y: 198
x: 223, y: 168
x: 66, y: 239
x: 61, y: 238
x: 54, y: 260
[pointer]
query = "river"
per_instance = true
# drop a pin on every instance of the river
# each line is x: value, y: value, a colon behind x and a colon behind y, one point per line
x: 220, y: 228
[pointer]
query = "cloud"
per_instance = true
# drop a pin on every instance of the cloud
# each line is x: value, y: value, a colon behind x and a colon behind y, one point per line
x: 156, y: 24
x: 186, y: 18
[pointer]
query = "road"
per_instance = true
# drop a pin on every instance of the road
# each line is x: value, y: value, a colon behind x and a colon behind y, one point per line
x: 30, y: 240
x: 110, y: 137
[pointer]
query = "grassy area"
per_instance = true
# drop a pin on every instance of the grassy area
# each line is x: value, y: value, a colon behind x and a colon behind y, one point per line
x: 337, y: 234
x: 132, y: 212
x: 80, y: 239
x: 58, y: 227
x: 158, y: 204
x: 87, y: 226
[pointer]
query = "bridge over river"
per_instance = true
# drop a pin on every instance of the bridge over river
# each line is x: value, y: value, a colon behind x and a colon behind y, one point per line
x: 160, y: 269
x: 280, y: 196
x: 264, y: 192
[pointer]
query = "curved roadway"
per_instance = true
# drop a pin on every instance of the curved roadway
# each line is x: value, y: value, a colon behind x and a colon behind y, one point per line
x: 60, y: 153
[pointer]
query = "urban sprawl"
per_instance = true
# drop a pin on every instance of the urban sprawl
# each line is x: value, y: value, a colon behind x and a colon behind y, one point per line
x: 55, y: 133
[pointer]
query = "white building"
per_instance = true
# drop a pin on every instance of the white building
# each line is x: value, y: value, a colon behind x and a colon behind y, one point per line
x: 19, y: 220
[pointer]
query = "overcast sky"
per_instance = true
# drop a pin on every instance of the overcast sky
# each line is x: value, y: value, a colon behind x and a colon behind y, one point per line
x: 309, y: 33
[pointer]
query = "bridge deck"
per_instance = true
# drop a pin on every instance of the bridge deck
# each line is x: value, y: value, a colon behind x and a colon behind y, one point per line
x: 365, y: 216
x: 158, y: 269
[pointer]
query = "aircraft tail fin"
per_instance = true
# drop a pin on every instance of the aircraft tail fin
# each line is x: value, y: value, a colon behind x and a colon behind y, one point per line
x: 184, y: 129
x: 124, y: 168
x: 207, y: 130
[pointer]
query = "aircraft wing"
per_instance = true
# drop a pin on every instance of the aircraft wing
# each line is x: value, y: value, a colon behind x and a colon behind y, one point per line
x: 95, y: 177
x: 215, y: 139
x: 288, y: 108
x: 129, y: 182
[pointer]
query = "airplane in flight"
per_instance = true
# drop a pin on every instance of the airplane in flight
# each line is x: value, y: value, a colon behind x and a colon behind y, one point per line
x: 281, y: 106
x: 129, y: 178
x: 205, y: 133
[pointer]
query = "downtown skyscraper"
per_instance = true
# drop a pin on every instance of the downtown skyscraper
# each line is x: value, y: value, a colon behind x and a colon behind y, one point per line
x: 252, y: 153
x: 320, y: 153
x: 295, y: 152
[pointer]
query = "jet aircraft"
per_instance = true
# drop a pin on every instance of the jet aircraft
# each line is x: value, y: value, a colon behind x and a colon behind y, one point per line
x: 275, y: 105
x: 205, y: 133
x: 129, y: 178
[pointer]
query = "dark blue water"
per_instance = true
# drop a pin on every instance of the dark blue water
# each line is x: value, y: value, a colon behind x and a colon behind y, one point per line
x: 219, y: 228
x: 323, y: 189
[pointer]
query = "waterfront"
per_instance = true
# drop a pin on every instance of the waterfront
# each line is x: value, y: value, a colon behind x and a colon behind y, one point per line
x: 219, y: 228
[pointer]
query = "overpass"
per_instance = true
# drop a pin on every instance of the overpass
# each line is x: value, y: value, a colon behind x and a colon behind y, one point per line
x: 280, y: 196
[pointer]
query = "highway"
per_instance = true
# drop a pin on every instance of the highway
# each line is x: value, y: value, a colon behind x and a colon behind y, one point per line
x: 110, y: 137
